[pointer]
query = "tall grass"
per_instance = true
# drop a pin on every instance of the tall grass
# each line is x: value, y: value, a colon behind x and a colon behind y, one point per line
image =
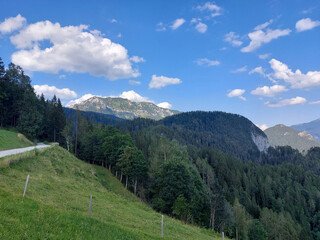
x: 57, y: 203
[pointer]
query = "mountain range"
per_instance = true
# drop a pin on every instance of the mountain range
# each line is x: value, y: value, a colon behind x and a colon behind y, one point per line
x: 312, y: 127
x: 122, y: 108
x: 281, y: 135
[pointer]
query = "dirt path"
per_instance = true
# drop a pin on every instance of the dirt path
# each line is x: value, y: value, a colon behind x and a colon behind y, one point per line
x: 21, y: 150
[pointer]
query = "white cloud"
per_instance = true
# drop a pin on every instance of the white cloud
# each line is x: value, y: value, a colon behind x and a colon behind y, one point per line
x: 195, y: 20
x: 177, y: 23
x: 306, y: 24
x: 259, y: 37
x: 269, y: 91
x: 264, y: 56
x: 237, y: 93
x: 50, y: 91
x: 263, y: 25
x: 134, y: 97
x: 262, y: 127
x: 137, y: 59
x: 80, y: 100
x: 74, y: 49
x: 233, y: 39
x: 315, y: 102
x: 161, y: 27
x: 258, y: 70
x: 207, y: 62
x: 119, y: 35
x: 11, y: 24
x: 239, y: 70
x: 133, y: 82
x: 62, y: 76
x: 162, y: 81
x: 165, y: 105
x: 287, y: 102
x: 210, y: 6
x: 296, y: 79
x: 201, y: 27
x: 114, y: 20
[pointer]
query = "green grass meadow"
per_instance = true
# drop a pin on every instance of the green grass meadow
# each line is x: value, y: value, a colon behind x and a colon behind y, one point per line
x: 11, y: 140
x: 56, y: 204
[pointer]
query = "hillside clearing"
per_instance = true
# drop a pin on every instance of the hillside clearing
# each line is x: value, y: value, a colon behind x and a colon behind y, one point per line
x: 11, y: 140
x: 57, y: 201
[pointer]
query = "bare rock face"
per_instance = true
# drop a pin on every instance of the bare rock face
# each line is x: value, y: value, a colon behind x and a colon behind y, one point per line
x: 261, y: 142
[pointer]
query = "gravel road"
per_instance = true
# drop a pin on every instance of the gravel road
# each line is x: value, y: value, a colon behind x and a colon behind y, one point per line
x: 21, y: 150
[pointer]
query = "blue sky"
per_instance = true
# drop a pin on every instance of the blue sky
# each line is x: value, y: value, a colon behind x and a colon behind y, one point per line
x: 259, y: 59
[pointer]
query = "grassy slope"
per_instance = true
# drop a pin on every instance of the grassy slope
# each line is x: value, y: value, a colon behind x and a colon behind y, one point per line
x: 57, y: 199
x: 10, y: 140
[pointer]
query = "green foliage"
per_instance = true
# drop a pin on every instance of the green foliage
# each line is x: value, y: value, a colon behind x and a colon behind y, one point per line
x: 257, y: 231
x: 57, y: 200
x: 280, y: 226
x: 22, y: 109
x: 229, y: 133
x: 11, y: 140
x: 181, y: 208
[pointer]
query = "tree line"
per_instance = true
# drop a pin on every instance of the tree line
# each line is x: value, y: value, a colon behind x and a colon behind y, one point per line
x: 21, y: 109
x: 210, y: 181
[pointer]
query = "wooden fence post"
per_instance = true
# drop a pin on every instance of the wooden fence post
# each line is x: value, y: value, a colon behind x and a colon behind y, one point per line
x: 25, y: 188
x: 90, y: 205
x: 162, y: 226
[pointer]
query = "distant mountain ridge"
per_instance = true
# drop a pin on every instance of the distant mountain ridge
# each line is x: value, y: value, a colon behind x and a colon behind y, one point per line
x: 312, y: 127
x: 230, y: 133
x: 123, y: 108
x: 281, y: 135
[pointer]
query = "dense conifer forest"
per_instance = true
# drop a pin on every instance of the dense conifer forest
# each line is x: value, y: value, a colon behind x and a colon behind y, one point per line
x: 175, y: 166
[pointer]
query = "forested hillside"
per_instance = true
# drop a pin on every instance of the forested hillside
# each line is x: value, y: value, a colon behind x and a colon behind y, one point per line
x: 20, y: 108
x: 211, y: 169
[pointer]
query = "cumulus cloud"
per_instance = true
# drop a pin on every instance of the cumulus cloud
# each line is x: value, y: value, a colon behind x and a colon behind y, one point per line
x: 261, y: 36
x: 214, y: 9
x: 263, y: 25
x: 165, y: 105
x: 133, y: 82
x: 296, y: 79
x: 12, y: 24
x: 201, y: 27
x: 177, y: 23
x: 137, y: 59
x: 306, y: 24
x: 134, y: 97
x: 264, y: 56
x: 162, y: 81
x: 114, y: 20
x: 50, y: 91
x: 258, y: 70
x: 207, y: 62
x: 239, y: 70
x: 262, y: 127
x: 269, y: 91
x: 73, y: 49
x: 233, y: 39
x: 237, y: 93
x: 287, y: 102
